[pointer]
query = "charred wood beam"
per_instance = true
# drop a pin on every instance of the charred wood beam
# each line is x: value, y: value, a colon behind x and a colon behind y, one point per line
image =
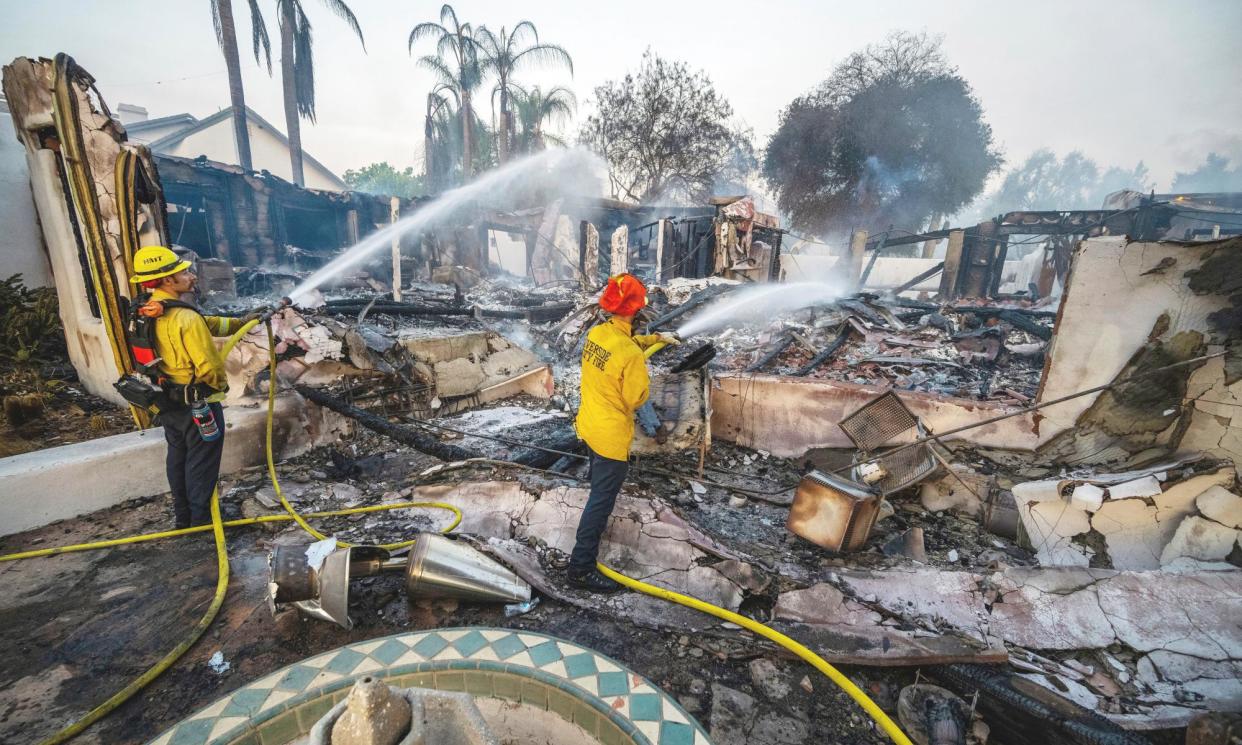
x: 779, y: 346
x: 921, y: 277
x: 1027, y: 324
x: 1027, y: 714
x: 418, y: 438
x: 402, y: 309
x: 542, y: 313
x: 414, y: 437
x: 875, y: 256
x: 827, y: 352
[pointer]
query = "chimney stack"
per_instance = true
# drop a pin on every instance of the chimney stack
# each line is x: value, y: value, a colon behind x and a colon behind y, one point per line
x: 129, y: 113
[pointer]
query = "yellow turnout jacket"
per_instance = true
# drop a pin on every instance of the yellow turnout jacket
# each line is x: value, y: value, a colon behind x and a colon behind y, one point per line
x: 183, y: 339
x: 614, y: 385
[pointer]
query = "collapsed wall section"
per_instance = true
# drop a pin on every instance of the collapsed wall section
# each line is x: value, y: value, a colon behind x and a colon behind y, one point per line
x: 97, y: 200
x: 1128, y: 309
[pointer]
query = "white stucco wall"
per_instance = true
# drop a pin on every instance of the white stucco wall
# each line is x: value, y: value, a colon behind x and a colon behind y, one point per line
x: 21, y: 243
x: 268, y: 152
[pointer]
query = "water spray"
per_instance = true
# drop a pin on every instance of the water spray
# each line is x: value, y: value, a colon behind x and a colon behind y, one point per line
x: 549, y: 170
x: 761, y: 302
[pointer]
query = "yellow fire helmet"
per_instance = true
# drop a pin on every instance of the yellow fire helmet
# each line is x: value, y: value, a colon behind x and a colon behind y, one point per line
x: 155, y: 262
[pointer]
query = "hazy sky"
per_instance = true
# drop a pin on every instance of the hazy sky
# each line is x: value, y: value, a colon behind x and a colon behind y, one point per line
x: 1122, y: 81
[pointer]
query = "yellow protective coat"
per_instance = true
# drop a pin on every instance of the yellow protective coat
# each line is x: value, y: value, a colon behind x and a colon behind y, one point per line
x: 183, y: 339
x: 614, y: 384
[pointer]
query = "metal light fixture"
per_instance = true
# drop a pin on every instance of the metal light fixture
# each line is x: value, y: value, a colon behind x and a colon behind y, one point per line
x: 314, y: 578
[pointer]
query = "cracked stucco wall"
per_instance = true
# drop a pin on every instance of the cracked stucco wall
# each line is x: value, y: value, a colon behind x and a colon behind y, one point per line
x: 28, y: 88
x: 1146, y: 523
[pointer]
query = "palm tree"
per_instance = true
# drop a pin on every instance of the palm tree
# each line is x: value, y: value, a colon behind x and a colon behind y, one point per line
x: 456, y: 65
x: 534, y: 107
x: 226, y: 36
x: 504, y: 54
x: 297, y: 70
x: 438, y: 136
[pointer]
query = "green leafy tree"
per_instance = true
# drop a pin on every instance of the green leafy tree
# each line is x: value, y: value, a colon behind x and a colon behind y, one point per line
x: 297, y: 70
x: 504, y: 55
x: 892, y: 137
x: 226, y: 36
x: 457, y: 67
x: 664, y: 132
x: 381, y: 178
x: 536, y: 108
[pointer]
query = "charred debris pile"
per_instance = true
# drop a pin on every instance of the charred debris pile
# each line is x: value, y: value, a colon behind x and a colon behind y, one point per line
x: 985, y: 350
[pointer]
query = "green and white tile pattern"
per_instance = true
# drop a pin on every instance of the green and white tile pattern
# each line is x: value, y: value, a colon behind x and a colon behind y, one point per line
x: 582, y: 686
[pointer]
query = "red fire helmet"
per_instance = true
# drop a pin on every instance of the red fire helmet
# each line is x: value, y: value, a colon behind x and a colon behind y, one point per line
x: 625, y: 295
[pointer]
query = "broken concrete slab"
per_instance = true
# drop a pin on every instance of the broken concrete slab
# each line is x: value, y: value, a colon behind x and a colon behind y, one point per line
x: 489, y: 508
x: 945, y: 597
x: 1200, y: 539
x: 1193, y: 615
x: 1181, y: 668
x: 1134, y: 536
x: 1051, y: 609
x: 1087, y: 497
x: 1137, y: 531
x: 1050, y: 528
x: 1147, y: 486
x: 1221, y: 505
x: 637, y: 542
x: 823, y: 604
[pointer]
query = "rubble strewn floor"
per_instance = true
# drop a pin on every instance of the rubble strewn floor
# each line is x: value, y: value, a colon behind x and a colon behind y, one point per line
x: 72, y: 633
x: 993, y: 352
x: 76, y: 620
x: 1039, y: 571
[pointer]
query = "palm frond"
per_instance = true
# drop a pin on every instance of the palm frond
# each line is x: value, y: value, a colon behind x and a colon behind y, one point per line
x: 427, y: 30
x: 545, y: 55
x: 515, y: 37
x: 303, y: 63
x: 487, y: 41
x: 215, y: 22
x: 439, y: 93
x: 258, y: 36
x: 434, y: 64
x: 447, y: 14
x: 341, y: 9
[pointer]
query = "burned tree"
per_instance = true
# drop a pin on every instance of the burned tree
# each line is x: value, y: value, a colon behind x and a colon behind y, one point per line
x: 665, y: 131
x: 893, y: 137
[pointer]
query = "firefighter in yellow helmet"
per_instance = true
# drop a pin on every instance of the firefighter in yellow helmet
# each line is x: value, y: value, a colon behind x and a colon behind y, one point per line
x: 614, y: 386
x: 190, y: 371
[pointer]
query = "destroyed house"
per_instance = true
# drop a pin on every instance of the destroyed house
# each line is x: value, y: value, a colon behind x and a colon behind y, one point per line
x: 1006, y: 512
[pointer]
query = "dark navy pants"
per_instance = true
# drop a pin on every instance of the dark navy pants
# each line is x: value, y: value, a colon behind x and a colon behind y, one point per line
x: 607, y: 475
x: 193, y: 465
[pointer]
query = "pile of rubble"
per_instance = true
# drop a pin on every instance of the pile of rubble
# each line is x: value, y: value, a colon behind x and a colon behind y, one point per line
x: 988, y: 352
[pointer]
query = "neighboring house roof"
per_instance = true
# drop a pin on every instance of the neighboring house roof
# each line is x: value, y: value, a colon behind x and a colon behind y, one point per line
x: 172, y: 139
x: 139, y: 127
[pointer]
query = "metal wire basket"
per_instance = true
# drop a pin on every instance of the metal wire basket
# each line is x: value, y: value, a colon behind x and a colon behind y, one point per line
x: 877, y: 423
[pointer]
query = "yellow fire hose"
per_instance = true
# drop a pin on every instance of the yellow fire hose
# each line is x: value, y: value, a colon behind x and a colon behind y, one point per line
x: 217, y: 527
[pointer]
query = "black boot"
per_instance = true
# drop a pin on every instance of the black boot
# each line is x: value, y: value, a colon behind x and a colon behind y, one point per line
x: 592, y: 581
